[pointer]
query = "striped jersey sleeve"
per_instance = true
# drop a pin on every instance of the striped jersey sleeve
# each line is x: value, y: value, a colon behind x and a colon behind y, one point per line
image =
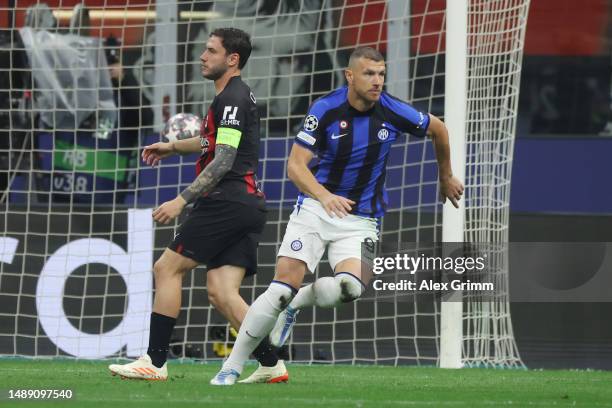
x: 404, y: 116
x: 312, y: 133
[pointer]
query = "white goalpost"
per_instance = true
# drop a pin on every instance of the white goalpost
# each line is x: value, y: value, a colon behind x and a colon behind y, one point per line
x: 453, y: 220
x: 77, y: 244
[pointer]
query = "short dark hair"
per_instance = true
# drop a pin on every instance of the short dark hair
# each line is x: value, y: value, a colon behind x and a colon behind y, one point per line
x: 366, y: 52
x: 112, y: 50
x: 236, y: 41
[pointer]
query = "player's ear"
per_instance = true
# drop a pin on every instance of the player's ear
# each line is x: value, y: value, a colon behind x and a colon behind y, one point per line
x: 348, y: 73
x: 233, y: 59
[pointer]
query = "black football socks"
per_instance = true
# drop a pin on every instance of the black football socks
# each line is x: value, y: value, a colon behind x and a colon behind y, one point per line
x: 159, y: 338
x: 265, y: 353
x: 159, y: 343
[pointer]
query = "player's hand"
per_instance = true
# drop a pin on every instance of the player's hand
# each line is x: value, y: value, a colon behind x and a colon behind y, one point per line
x: 169, y: 210
x: 452, y: 189
x: 336, y: 205
x: 152, y: 154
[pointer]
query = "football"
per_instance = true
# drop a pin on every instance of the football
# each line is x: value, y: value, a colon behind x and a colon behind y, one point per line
x: 181, y: 126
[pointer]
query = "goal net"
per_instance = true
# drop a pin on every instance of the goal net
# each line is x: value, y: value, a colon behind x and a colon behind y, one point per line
x: 83, y: 89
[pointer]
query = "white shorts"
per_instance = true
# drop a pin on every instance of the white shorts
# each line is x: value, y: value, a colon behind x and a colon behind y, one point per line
x: 310, y: 230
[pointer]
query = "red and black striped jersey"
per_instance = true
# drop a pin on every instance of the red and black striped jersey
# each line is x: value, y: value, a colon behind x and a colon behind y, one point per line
x: 233, y: 118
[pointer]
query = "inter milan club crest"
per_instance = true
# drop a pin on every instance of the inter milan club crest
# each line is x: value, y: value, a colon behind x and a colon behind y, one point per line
x: 296, y: 245
x: 311, y: 123
x: 343, y: 124
x: 383, y: 134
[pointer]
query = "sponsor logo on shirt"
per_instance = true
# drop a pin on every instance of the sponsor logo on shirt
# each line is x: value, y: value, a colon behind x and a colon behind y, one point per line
x: 229, y: 116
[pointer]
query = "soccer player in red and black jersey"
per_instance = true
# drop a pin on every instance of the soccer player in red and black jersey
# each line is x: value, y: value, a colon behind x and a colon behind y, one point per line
x: 222, y: 230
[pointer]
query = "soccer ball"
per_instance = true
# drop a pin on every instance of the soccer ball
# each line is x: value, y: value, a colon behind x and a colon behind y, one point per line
x: 181, y: 126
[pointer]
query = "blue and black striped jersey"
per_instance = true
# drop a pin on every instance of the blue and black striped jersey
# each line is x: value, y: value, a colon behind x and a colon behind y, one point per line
x: 353, y: 146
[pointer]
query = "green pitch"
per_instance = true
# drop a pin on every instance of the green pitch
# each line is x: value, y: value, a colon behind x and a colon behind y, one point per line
x: 309, y: 386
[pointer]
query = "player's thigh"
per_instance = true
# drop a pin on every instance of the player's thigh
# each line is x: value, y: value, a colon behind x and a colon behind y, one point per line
x: 224, y: 281
x: 302, y: 241
x: 353, y: 254
x: 213, y: 226
x: 290, y: 271
x: 171, y: 262
x: 350, y: 265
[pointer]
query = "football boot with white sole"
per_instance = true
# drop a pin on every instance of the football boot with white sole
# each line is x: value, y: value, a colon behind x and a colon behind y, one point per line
x: 268, y: 375
x: 141, y: 369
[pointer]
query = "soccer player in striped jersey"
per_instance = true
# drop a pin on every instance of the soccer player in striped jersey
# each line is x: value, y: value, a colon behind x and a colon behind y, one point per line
x: 222, y: 230
x: 341, y: 199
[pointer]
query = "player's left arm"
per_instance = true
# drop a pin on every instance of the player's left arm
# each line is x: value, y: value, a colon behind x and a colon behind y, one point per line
x: 229, y: 133
x: 225, y: 155
x: 450, y: 186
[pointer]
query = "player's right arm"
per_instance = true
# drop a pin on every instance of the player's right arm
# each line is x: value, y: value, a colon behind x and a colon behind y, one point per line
x: 152, y: 154
x: 299, y: 173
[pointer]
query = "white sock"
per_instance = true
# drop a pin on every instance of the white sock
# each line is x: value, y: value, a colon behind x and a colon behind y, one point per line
x: 258, y: 323
x: 304, y: 298
x: 329, y: 292
x: 326, y: 292
x: 351, y: 287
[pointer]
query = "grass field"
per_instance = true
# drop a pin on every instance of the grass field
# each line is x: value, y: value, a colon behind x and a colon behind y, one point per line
x: 315, y: 386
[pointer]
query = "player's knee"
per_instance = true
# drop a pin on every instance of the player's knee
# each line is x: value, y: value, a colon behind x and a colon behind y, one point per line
x: 332, y: 292
x: 326, y: 292
x: 220, y: 297
x: 165, y: 270
x: 351, y: 287
x: 159, y: 269
x: 279, y: 294
x: 219, y: 301
x: 290, y: 271
x: 214, y: 297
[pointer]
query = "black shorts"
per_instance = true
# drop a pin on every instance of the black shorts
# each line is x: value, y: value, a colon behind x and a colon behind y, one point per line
x: 218, y: 233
